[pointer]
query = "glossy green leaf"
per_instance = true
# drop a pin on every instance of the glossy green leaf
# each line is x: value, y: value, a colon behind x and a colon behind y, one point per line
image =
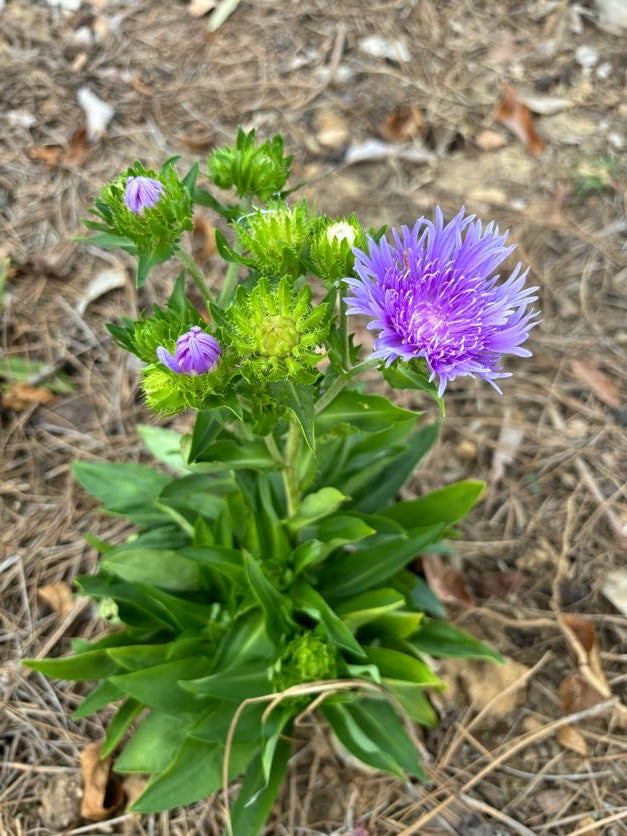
x: 357, y: 741
x: 441, y: 639
x: 162, y: 567
x: 380, y: 722
x: 446, y: 505
x: 98, y: 698
x: 276, y: 607
x: 317, y: 505
x: 154, y: 743
x: 237, y: 683
x: 94, y: 664
x: 402, y: 375
x: 299, y: 397
x: 159, y: 687
x: 124, y: 716
x: 307, y: 600
x: 122, y: 488
x: 397, y: 625
x: 371, y: 565
x: 367, y: 606
x: 396, y: 665
x: 366, y: 412
x: 253, y: 454
x: 164, y: 445
x: 257, y: 796
x: 414, y: 700
x: 247, y: 640
x: 227, y: 561
x: 207, y: 428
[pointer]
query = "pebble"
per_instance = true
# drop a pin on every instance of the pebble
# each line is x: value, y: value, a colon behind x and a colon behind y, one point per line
x: 587, y: 56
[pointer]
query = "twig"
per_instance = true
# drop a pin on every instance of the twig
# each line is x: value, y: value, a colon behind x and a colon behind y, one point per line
x: 475, y: 804
x: 598, y: 825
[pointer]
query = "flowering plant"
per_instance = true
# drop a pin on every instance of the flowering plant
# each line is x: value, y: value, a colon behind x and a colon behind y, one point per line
x: 273, y: 569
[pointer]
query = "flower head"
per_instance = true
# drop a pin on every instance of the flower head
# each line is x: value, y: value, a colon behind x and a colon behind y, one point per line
x: 433, y: 294
x: 196, y: 353
x: 141, y: 193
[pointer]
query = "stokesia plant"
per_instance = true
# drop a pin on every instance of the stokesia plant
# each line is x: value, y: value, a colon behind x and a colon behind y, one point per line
x: 276, y: 572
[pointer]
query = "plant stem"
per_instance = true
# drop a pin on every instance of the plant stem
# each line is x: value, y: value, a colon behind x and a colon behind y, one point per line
x: 190, y: 265
x: 341, y: 382
x: 273, y: 449
x: 230, y: 282
x: 346, y: 360
x: 290, y: 477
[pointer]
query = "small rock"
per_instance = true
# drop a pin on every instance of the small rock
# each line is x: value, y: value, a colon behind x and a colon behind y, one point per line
x: 60, y: 801
x: 587, y: 56
x: 332, y: 131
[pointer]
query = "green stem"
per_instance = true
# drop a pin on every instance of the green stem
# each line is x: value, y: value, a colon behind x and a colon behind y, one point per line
x: 290, y: 477
x: 230, y: 282
x: 341, y: 382
x: 346, y: 360
x: 274, y: 449
x: 190, y: 265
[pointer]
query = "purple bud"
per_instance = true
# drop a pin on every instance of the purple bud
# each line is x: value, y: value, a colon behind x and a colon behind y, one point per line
x: 141, y: 193
x: 196, y: 353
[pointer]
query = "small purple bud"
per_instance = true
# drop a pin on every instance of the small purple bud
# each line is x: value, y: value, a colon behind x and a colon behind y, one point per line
x: 196, y: 353
x: 141, y: 193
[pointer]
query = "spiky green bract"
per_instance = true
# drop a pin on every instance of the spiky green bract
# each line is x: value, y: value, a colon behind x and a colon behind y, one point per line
x: 306, y: 658
x: 331, y: 250
x: 252, y: 170
x: 168, y: 393
x: 274, y: 239
x: 155, y: 231
x: 274, y: 332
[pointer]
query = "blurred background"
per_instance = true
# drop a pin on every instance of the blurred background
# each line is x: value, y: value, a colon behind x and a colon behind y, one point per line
x: 515, y: 109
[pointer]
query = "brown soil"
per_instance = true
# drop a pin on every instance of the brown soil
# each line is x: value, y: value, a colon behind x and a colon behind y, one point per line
x: 553, y: 522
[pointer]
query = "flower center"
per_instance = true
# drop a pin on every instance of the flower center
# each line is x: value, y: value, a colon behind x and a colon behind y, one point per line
x: 278, y: 336
x: 341, y: 231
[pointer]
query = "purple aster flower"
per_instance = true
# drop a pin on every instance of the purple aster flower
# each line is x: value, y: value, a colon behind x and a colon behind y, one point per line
x: 433, y: 294
x: 141, y: 193
x: 196, y: 353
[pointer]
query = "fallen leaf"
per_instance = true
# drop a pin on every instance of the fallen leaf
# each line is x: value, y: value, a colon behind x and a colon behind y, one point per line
x: 583, y: 631
x: 403, y: 124
x: 546, y: 105
x: 479, y: 682
x: 490, y: 140
x: 587, y: 373
x: 21, y: 396
x: 133, y: 786
x: 97, y: 112
x: 102, y: 792
x: 78, y: 149
x: 509, y: 440
x: 446, y: 582
x: 373, y: 150
x: 103, y: 282
x: 570, y: 738
x: 198, y: 8
x: 615, y: 589
x: 331, y: 130
x: 199, y: 140
x: 517, y: 118
x: 48, y: 154
x: 58, y: 596
x: 380, y: 47
x: 576, y: 694
x: 499, y: 584
x: 203, y: 239
x: 551, y: 801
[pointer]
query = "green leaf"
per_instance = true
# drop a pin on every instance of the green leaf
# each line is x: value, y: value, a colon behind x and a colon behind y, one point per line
x: 164, y: 445
x: 224, y: 560
x: 159, y: 686
x: 122, y: 719
x: 246, y: 641
x: 370, y: 565
x: 307, y: 600
x: 122, y: 488
x: 97, y: 699
x: 366, y: 412
x: 145, y: 263
x: 108, y: 241
x: 340, y: 529
x: 154, y: 743
x: 397, y: 625
x: 257, y: 796
x: 189, y: 181
x: 215, y: 725
x: 418, y: 594
x: 396, y: 665
x: 276, y: 607
x: 446, y: 505
x: 368, y: 606
x: 226, y: 252
x: 206, y: 429
x: 237, y: 683
x: 414, y: 700
x: 382, y: 725
x: 299, y: 397
x: 441, y: 639
x: 403, y: 375
x: 162, y: 567
x: 317, y: 505
x: 307, y: 554
x: 388, y: 484
x: 94, y: 664
x: 253, y: 454
x: 357, y: 741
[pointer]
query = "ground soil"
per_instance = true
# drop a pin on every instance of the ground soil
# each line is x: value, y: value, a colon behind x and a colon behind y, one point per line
x: 553, y: 522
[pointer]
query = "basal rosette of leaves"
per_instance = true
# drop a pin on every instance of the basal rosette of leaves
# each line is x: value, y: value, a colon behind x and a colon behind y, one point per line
x: 272, y: 563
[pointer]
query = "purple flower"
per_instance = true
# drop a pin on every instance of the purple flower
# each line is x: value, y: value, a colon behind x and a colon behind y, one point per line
x: 433, y: 294
x: 141, y: 193
x: 196, y: 353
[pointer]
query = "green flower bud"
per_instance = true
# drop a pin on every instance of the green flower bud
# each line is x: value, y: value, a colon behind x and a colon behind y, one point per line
x: 332, y: 242
x: 153, y: 221
x: 254, y: 171
x: 274, y: 239
x: 274, y: 332
x: 307, y: 658
x: 167, y: 392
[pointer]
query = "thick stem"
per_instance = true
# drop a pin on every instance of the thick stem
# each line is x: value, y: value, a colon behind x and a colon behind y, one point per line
x: 290, y: 476
x: 190, y: 265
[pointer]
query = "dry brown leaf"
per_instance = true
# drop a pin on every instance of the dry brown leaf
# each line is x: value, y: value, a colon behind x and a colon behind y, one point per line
x: 78, y: 149
x: 571, y: 739
x: 447, y: 583
x: 597, y: 381
x: 331, y: 130
x: 551, y: 801
x: 403, y: 124
x: 58, y: 596
x: 577, y: 694
x: 102, y: 792
x: 133, y: 786
x: 490, y: 140
x: 198, y: 140
x: 48, y: 154
x: 21, y: 396
x: 203, y: 239
x: 517, y: 118
x: 480, y: 682
x: 583, y: 630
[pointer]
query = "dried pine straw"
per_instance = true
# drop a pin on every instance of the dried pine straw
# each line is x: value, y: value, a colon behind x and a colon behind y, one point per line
x: 559, y: 507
